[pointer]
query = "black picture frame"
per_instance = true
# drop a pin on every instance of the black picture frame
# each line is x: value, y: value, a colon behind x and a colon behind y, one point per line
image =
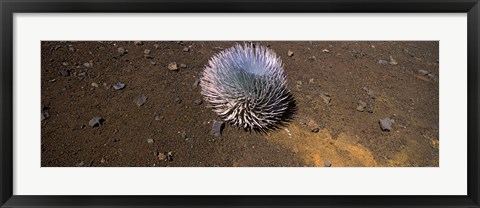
x: 9, y: 7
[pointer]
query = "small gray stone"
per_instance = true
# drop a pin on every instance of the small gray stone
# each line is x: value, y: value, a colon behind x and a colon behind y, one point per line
x: 178, y: 100
x: 386, y: 124
x: 64, y: 72
x: 198, y: 102
x: 183, y: 134
x: 326, y: 98
x: 121, y: 51
x: 96, y: 121
x: 361, y: 106
x: 183, y: 66
x: 173, y: 66
x: 392, y: 61
x: 88, y: 64
x: 369, y: 109
x: 45, y: 115
x: 327, y: 164
x: 196, y: 83
x: 118, y: 86
x: 290, y: 53
x: 80, y: 164
x: 156, y: 46
x: 382, y: 62
x: 315, y: 130
x: 217, y: 128
x: 433, y: 77
x: 186, y: 49
x: 424, y: 72
x: 146, y: 51
x: 161, y: 156
x: 157, y: 116
x: 140, y: 100
x: 138, y: 42
x: 170, y: 156
x: 312, y: 58
x: 150, y: 141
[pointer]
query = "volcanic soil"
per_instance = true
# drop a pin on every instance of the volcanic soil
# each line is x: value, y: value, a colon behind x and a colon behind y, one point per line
x: 341, y: 89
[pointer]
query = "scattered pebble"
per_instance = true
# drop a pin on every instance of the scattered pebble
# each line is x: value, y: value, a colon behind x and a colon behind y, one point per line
x: 183, y: 134
x: 138, y: 42
x: 312, y: 58
x: 326, y: 98
x: 64, y: 72
x: 386, y: 124
x: 327, y: 164
x: 392, y: 61
x: 424, y: 72
x: 121, y: 51
x: 325, y: 51
x: 198, y: 102
x: 88, y: 64
x: 311, y: 81
x: 357, y: 53
x: 178, y: 100
x: 299, y: 85
x: 102, y: 160
x: 196, y: 83
x: 183, y: 66
x: 369, y: 109
x: 94, y: 84
x: 96, y: 121
x: 173, y: 66
x: 157, y: 116
x: 409, y: 53
x: 383, y: 62
x: 147, y: 52
x: 119, y: 86
x: 140, y: 100
x: 83, y: 75
x: 170, y: 156
x: 433, y: 77
x: 156, y: 46
x: 290, y: 53
x: 80, y: 164
x: 186, y: 49
x: 45, y: 115
x: 315, y: 130
x: 369, y: 92
x: 217, y: 128
x: 65, y: 63
x: 361, y: 106
x: 153, y: 63
x: 161, y: 156
x: 150, y: 141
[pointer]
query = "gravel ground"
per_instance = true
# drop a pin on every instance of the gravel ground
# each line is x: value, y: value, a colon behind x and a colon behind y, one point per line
x: 138, y: 103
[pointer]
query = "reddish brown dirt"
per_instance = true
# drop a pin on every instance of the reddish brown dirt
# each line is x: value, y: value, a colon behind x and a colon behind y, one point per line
x: 345, y: 137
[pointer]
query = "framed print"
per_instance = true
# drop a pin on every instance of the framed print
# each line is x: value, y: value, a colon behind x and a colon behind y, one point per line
x: 239, y: 104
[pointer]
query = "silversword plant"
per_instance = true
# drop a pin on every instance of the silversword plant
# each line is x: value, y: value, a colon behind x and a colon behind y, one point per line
x: 246, y: 86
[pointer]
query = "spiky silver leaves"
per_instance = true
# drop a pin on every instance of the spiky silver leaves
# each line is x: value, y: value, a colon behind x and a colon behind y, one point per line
x: 246, y: 86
